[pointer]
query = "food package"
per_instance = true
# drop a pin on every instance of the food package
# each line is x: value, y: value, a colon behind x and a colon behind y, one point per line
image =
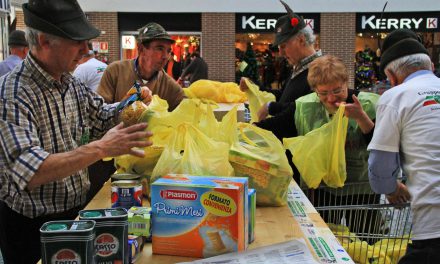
x: 259, y: 155
x: 199, y: 216
x: 131, y: 114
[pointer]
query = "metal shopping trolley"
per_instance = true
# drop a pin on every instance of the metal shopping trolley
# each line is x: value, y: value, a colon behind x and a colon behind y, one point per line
x: 370, y: 228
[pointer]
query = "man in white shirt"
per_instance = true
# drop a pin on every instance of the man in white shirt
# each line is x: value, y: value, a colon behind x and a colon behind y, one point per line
x: 90, y: 70
x: 407, y: 136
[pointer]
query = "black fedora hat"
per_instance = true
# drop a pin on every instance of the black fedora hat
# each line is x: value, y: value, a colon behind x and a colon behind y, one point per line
x: 63, y: 18
x: 287, y: 25
x: 400, y: 43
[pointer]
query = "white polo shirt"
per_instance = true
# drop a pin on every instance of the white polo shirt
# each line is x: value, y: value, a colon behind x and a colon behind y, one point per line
x: 408, y: 122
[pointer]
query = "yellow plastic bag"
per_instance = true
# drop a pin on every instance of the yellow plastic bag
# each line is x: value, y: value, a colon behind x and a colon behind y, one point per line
x: 256, y: 99
x: 260, y: 156
x: 222, y: 131
x: 190, y: 151
x: 320, y: 154
x: 141, y: 166
x: 220, y: 92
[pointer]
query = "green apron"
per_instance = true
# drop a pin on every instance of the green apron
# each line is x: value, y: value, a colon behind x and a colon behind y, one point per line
x: 311, y: 114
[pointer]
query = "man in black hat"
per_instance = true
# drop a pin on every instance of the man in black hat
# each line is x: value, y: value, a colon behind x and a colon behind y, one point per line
x: 407, y: 137
x: 296, y: 43
x: 154, y: 49
x: 47, y: 118
x: 18, y: 47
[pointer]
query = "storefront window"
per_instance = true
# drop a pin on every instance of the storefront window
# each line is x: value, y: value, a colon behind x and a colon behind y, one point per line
x: 255, y: 56
x: 371, y: 30
x: 186, y: 43
x: 5, y: 10
x: 3, y: 36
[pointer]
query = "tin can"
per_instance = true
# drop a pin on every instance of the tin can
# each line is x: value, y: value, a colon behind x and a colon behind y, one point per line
x: 135, y: 246
x: 126, y: 194
x: 111, y: 229
x: 125, y: 177
x: 67, y: 242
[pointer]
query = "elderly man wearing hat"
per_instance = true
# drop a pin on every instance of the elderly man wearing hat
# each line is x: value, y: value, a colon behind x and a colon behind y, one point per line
x: 47, y: 118
x: 18, y: 48
x: 407, y: 137
x: 154, y: 48
x: 296, y: 43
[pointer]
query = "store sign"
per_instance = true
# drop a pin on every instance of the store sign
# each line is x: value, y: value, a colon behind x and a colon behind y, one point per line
x: 128, y: 42
x: 103, y: 47
x: 261, y: 23
x: 95, y: 46
x: 419, y: 22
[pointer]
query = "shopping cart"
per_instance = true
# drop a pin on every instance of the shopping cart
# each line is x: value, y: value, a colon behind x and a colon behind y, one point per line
x: 370, y: 228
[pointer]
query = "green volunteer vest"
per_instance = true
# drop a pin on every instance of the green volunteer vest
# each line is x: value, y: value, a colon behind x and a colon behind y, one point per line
x: 311, y: 114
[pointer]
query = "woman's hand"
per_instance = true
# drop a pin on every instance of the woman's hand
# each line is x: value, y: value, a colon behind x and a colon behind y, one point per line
x: 356, y: 112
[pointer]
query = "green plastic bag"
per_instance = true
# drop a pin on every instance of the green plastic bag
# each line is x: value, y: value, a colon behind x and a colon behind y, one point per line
x: 320, y: 154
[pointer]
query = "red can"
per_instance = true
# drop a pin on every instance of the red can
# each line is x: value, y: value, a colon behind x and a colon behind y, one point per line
x: 126, y: 194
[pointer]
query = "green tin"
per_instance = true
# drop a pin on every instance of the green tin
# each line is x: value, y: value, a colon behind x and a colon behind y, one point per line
x: 68, y: 242
x: 111, y: 228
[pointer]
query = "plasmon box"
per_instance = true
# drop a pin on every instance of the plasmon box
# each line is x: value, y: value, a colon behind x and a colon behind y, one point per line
x: 199, y: 216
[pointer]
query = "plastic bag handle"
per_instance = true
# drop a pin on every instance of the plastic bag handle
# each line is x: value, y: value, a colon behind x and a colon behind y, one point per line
x: 246, y: 138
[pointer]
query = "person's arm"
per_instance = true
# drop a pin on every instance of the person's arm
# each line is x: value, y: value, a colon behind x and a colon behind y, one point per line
x: 188, y: 70
x: 383, y: 170
x: 281, y: 125
x: 117, y: 141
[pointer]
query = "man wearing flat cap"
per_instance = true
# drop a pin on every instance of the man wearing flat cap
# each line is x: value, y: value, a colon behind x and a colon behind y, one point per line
x: 154, y: 48
x: 47, y: 119
x: 407, y: 137
x: 18, y: 48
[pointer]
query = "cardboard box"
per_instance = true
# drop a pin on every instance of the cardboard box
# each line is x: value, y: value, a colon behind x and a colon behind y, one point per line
x: 198, y: 216
x: 223, y: 109
x: 139, y: 221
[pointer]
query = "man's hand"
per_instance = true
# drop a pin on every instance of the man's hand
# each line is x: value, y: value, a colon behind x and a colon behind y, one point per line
x: 356, y: 112
x: 263, y: 112
x: 145, y: 94
x: 119, y: 140
x: 243, y: 85
x: 400, y: 196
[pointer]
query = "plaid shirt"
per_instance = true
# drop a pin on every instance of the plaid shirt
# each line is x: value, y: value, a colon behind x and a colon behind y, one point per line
x: 305, y: 63
x: 40, y: 116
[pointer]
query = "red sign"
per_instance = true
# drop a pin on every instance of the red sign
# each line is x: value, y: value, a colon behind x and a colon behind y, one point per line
x: 178, y: 195
x: 103, y: 47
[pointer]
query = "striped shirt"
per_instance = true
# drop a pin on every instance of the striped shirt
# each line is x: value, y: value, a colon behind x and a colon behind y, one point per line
x: 40, y: 116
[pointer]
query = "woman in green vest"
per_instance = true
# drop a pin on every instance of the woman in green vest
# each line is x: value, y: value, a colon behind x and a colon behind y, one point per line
x: 328, y: 77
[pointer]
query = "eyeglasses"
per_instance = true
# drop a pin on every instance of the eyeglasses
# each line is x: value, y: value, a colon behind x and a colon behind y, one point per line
x: 334, y: 92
